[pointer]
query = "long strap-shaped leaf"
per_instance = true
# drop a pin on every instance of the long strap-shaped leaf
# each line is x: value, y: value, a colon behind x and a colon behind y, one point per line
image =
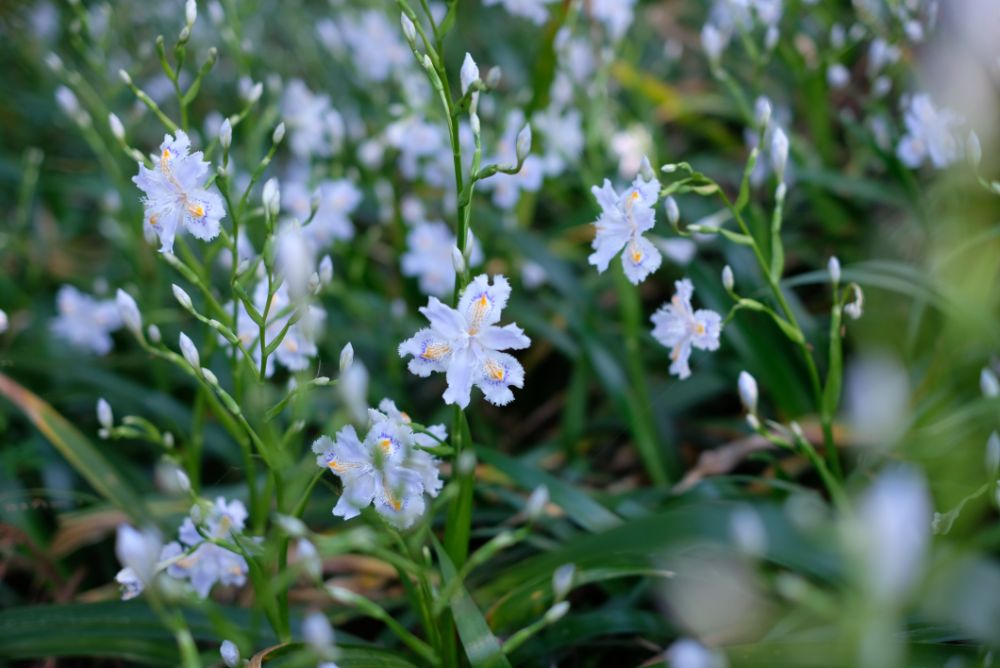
x: 481, y: 646
x: 76, y: 448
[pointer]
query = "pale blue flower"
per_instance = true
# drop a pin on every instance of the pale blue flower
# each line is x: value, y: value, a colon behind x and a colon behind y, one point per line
x: 466, y: 344
x: 624, y: 217
x: 931, y: 134
x: 208, y: 563
x: 535, y: 11
x: 507, y: 187
x: 375, y: 45
x: 425, y: 465
x: 314, y: 126
x: 174, y: 194
x: 336, y: 201
x: 428, y: 257
x: 677, y: 326
x: 84, y: 322
x: 378, y: 471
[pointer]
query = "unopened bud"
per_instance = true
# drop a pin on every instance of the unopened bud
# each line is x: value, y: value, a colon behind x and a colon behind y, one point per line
x: 346, y: 357
x: 536, y: 503
x: 409, y: 30
x: 673, y: 212
x: 562, y: 581
x: 117, y: 129
x: 469, y: 73
x: 457, y: 260
x: 255, y: 92
x: 226, y: 135
x: 523, y: 146
x: 105, y: 417
x: 278, y: 134
x: 856, y: 307
x: 190, y: 12
x: 989, y: 384
x: 189, y: 352
x: 230, y: 654
x: 993, y: 454
x: 326, y: 270
x: 728, y: 282
x: 182, y: 297
x: 271, y: 197
x: 124, y: 76
x: 748, y: 392
x: 762, y: 112
x: 210, y: 376
x: 556, y: 612
x: 129, y: 312
x: 779, y: 153
x: 493, y: 76
x: 834, y: 267
x: 646, y: 170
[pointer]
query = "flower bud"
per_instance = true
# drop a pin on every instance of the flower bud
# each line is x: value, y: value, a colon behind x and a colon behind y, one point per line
x: 255, y: 92
x: 153, y: 332
x: 185, y: 34
x: 271, y: 196
x: 466, y: 463
x: 189, y: 352
x: 326, y: 270
x: 834, y: 267
x: 989, y: 384
x: 475, y: 125
x: 129, y: 312
x: 856, y: 307
x: 562, y: 580
x: 753, y: 422
x: 536, y: 503
x: 314, y: 284
x: 470, y: 244
x: 673, y: 212
x: 292, y: 526
x: 779, y: 153
x: 409, y: 30
x: 105, y: 417
x: 182, y: 297
x: 748, y: 392
x: 993, y: 455
x: 209, y: 376
x: 309, y: 558
x: 346, y: 357
x: 469, y: 73
x: 226, y: 135
x: 168, y: 440
x: 762, y: 112
x: 117, y: 129
x: 278, y: 134
x: 457, y: 260
x: 4, y: 323
x: 556, y: 612
x: 523, y: 145
x: 124, y: 76
x: 190, y: 12
x: 646, y: 170
x: 230, y: 654
x: 728, y: 282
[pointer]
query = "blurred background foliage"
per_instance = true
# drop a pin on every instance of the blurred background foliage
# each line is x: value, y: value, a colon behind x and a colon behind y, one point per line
x: 924, y: 246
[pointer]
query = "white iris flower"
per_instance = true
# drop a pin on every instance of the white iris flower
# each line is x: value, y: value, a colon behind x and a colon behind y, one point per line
x: 466, y: 344
x: 679, y: 327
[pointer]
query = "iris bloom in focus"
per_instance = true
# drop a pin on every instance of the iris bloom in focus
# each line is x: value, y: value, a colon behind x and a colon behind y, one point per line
x: 624, y: 217
x: 678, y: 326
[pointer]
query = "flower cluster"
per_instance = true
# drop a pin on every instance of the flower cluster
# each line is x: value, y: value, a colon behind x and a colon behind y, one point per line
x: 387, y: 469
x: 199, y: 560
x: 465, y: 344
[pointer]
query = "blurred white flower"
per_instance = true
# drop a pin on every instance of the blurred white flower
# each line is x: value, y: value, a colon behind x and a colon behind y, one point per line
x: 931, y: 134
x: 174, y: 194
x: 465, y: 344
x: 689, y: 653
x: 84, y: 322
x: 623, y: 219
x: 230, y: 654
x: 891, y: 533
x: 204, y: 563
x: 876, y: 398
x: 748, y: 392
x: 428, y: 257
x: 315, y: 127
x: 317, y: 632
x: 137, y: 552
x: 533, y: 10
x: 375, y: 45
x: 677, y: 326
x: 336, y: 200
x: 989, y: 384
x: 616, y: 15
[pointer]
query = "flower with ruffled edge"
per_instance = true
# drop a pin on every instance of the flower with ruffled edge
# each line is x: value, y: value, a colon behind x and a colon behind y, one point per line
x: 623, y: 219
x: 465, y: 344
x: 174, y: 196
x: 676, y: 325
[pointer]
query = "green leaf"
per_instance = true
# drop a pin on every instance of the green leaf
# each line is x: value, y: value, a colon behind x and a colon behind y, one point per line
x: 481, y: 646
x: 581, y: 508
x: 79, y: 452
